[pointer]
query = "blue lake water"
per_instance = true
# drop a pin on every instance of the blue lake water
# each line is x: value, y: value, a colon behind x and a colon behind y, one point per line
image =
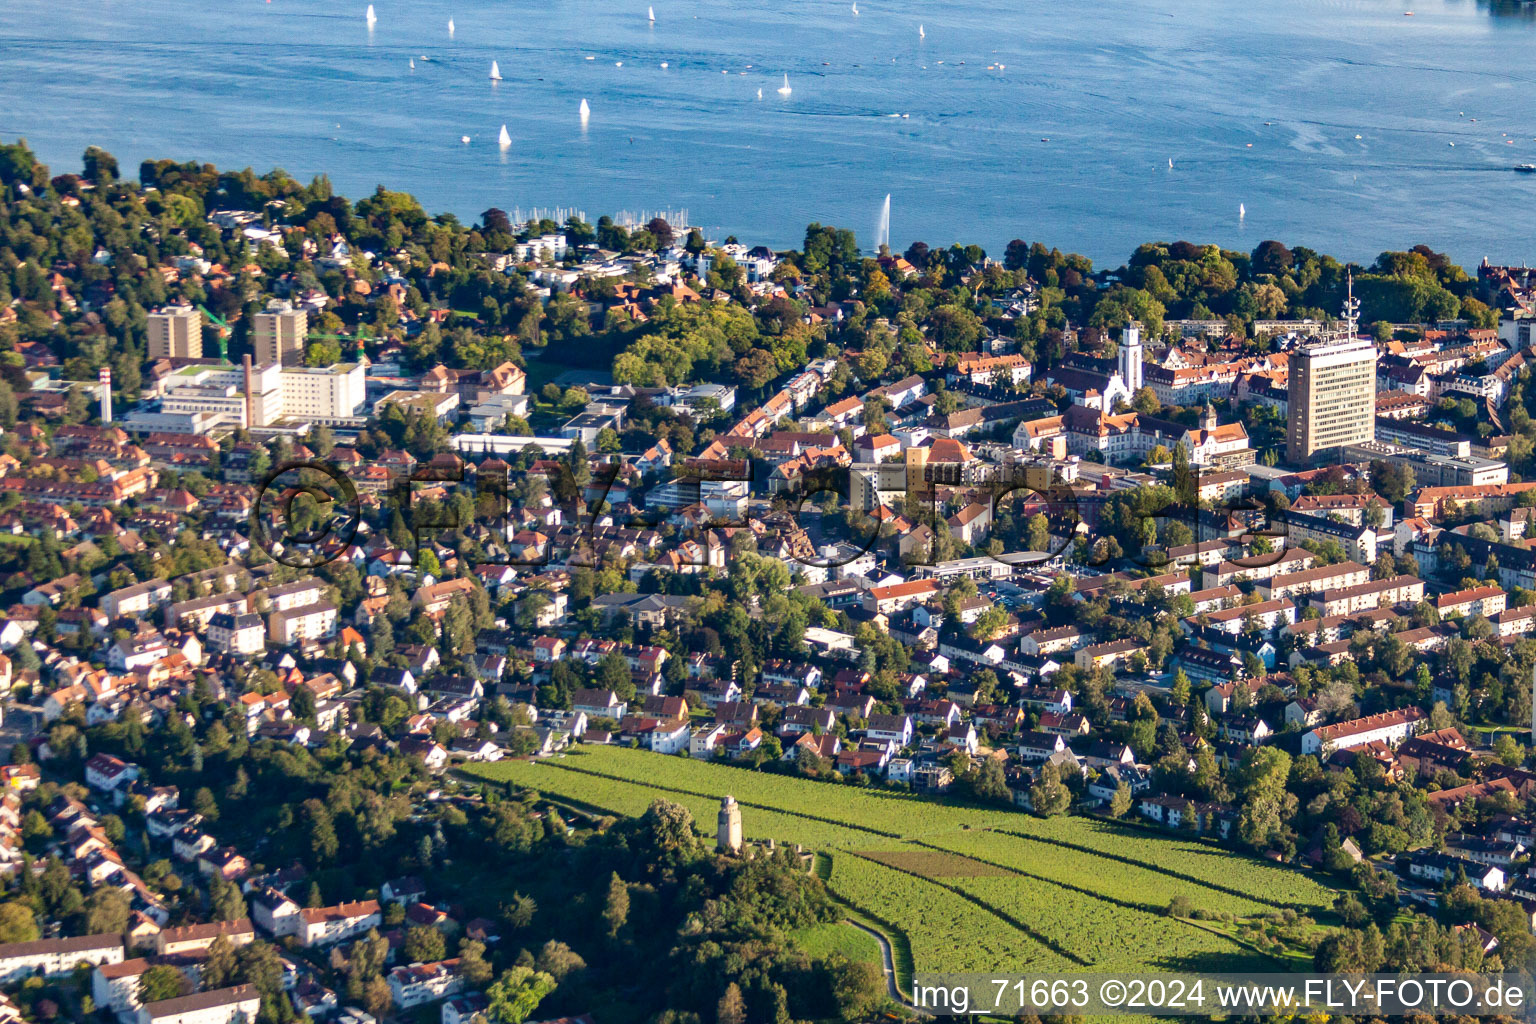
x: 1118, y: 87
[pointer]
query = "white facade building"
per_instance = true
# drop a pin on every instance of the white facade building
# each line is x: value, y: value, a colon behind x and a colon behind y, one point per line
x: 1130, y: 357
x: 321, y: 394
x: 54, y: 957
x: 312, y: 622
x: 237, y: 1005
x: 1390, y: 727
x: 415, y: 984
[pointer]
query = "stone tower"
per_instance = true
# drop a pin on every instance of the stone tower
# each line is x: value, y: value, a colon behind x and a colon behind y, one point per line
x: 729, y: 840
x: 1208, y: 416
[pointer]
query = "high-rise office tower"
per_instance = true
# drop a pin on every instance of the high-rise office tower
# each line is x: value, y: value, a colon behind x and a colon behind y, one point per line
x: 277, y: 336
x: 1332, y: 392
x: 175, y: 332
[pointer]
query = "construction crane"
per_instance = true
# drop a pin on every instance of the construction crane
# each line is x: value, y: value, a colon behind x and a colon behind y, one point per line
x: 222, y: 328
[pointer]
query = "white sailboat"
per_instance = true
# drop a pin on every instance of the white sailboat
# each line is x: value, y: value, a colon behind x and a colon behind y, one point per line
x: 450, y: 26
x: 464, y: 139
x: 1242, y: 211
x: 586, y: 111
x: 495, y: 72
x: 855, y: 6
x: 504, y: 139
x: 650, y: 13
x: 1170, y: 163
x: 785, y: 90
x: 413, y: 63
x: 759, y: 94
x: 372, y: 18
x: 920, y: 33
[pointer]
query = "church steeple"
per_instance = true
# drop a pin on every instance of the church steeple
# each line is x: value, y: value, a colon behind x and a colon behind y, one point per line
x: 1130, y: 357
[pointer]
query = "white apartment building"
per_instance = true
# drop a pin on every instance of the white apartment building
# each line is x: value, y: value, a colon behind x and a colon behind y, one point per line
x: 422, y: 983
x: 116, y: 986
x: 287, y: 596
x: 545, y: 247
x: 275, y: 913
x: 1374, y: 594
x: 1310, y: 581
x: 322, y: 926
x: 52, y: 958
x: 136, y: 598
x: 237, y: 1005
x: 311, y: 622
x: 1390, y: 727
x: 237, y: 633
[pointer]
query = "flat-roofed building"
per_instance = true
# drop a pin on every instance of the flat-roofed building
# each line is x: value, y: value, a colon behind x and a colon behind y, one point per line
x: 175, y: 332
x: 322, y: 394
x: 1332, y: 386
x: 277, y: 335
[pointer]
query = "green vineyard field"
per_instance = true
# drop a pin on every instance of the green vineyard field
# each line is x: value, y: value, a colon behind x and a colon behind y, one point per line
x: 969, y: 888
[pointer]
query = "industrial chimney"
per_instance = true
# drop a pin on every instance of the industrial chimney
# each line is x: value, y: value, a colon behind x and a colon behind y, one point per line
x: 105, y: 377
x: 250, y: 418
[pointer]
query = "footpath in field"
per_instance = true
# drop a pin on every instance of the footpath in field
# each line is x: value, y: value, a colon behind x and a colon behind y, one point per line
x: 970, y: 888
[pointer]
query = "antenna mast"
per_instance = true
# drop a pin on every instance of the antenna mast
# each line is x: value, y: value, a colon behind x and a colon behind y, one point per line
x: 1351, y: 305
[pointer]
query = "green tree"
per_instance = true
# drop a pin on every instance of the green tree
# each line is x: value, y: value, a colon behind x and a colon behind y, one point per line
x: 1266, y: 805
x: 204, y: 803
x: 99, y: 166
x: 1120, y: 803
x: 224, y: 900
x: 558, y: 960
x: 472, y: 963
x: 732, y: 1008
x: 1039, y: 533
x: 323, y: 843
x: 424, y: 944
x: 616, y: 906
x: 378, y: 998
x: 517, y: 993
x: 107, y: 910
x: 1508, y: 750
x: 1180, y: 689
x: 17, y: 922
x: 990, y: 783
x: 1049, y: 797
x: 162, y: 981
